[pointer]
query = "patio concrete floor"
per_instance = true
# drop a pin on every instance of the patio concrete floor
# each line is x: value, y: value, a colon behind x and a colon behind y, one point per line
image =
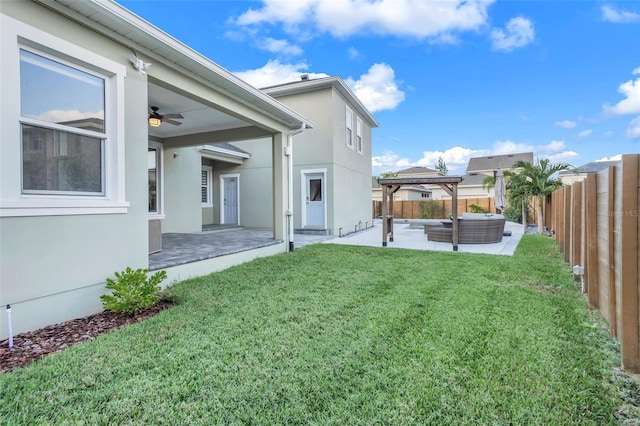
x: 179, y: 249
x: 413, y: 237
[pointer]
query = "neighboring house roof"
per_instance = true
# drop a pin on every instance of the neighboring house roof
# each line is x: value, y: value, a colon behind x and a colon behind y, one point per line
x: 308, y: 85
x: 592, y: 167
x: 472, y: 179
x: 118, y: 23
x: 495, y: 162
x: 417, y: 170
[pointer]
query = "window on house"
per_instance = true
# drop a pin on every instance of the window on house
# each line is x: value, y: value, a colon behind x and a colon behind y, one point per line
x: 63, y: 127
x: 359, y: 135
x: 154, y: 169
x: 349, y: 126
x: 62, y: 131
x: 206, y: 187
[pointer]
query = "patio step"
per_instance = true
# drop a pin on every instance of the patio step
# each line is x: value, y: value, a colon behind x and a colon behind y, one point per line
x: 311, y: 231
x: 216, y: 230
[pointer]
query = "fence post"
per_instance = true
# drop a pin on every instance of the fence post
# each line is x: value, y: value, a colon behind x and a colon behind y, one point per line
x: 576, y: 202
x: 591, y: 239
x: 566, y: 238
x: 627, y: 243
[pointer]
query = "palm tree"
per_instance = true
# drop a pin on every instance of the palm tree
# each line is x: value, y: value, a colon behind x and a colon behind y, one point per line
x: 518, y: 194
x: 536, y: 180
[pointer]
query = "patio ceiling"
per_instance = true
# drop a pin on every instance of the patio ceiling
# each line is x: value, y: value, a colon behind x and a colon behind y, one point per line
x: 198, y: 118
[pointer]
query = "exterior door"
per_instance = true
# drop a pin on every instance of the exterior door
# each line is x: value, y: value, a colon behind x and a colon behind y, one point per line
x: 315, y: 199
x: 230, y: 200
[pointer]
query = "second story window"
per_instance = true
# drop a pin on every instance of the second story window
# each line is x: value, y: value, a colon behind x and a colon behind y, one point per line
x: 349, y: 127
x: 359, y: 135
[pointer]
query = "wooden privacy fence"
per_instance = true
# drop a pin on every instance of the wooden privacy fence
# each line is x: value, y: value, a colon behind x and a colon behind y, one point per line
x: 414, y: 209
x: 597, y: 227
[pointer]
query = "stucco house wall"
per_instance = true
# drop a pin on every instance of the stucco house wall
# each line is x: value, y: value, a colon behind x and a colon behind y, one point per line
x: 66, y: 257
x: 56, y: 250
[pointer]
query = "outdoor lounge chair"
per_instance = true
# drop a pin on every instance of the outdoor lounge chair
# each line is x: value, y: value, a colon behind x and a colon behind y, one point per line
x: 473, y: 228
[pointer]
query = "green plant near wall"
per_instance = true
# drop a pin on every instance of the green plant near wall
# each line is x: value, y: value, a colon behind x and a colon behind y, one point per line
x: 431, y: 209
x: 132, y: 291
x: 474, y: 208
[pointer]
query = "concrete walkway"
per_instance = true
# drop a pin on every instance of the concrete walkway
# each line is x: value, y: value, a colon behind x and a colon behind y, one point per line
x: 413, y: 237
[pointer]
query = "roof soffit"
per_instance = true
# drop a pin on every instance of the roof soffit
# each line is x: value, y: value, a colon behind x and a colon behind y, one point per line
x: 121, y: 25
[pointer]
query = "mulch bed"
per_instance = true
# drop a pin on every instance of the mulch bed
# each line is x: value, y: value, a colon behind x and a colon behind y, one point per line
x: 28, y: 347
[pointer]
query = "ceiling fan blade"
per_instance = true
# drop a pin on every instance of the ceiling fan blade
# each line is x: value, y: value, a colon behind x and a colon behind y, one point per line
x: 168, y: 120
x: 172, y: 116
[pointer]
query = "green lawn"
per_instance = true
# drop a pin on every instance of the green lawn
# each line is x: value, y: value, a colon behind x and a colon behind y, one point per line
x: 334, y: 334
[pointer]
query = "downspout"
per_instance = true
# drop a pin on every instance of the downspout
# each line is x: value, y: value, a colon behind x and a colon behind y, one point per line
x: 288, y: 152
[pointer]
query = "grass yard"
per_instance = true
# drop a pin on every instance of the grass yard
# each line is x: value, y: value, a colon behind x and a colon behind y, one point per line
x: 334, y: 334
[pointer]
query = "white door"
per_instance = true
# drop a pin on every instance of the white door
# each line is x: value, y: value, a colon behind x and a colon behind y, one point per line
x: 230, y: 201
x: 315, y: 199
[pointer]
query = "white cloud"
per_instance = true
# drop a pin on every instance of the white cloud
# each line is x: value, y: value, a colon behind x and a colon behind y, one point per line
x: 353, y: 53
x: 561, y: 157
x: 567, y: 124
x: 280, y: 46
x: 630, y: 105
x: 60, y: 116
x: 610, y: 14
x: 377, y: 89
x: 403, y: 18
x: 585, y: 133
x: 633, y: 131
x: 616, y: 157
x: 458, y: 157
x: 509, y: 147
x: 555, y: 150
x: 517, y: 33
x: 636, y: 71
x: 274, y: 72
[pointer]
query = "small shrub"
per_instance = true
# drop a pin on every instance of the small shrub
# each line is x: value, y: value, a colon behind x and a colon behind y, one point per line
x: 474, y: 208
x: 513, y: 214
x: 431, y: 209
x: 132, y: 291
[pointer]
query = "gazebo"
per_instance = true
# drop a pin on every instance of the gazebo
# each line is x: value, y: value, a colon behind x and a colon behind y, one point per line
x: 391, y: 185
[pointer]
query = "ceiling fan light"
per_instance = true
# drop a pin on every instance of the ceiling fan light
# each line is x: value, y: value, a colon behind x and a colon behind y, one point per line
x: 154, y: 122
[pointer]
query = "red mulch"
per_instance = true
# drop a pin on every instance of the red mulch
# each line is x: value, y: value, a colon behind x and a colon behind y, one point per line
x: 28, y: 347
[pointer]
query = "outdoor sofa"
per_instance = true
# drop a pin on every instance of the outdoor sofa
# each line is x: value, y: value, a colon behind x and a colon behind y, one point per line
x: 473, y: 228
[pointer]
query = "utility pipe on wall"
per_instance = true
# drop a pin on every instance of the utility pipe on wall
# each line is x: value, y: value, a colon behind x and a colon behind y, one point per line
x: 289, y: 154
x: 9, y: 326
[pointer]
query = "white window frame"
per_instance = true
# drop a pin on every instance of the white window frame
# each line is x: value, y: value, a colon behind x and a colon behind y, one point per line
x: 348, y: 133
x: 16, y: 35
x: 359, y: 139
x: 159, y: 180
x: 209, y: 171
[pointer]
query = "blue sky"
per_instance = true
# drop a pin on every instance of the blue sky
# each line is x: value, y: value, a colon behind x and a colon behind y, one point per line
x: 456, y: 79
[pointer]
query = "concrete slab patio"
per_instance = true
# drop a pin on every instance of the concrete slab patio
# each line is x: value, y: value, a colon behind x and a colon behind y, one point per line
x: 413, y: 237
x: 180, y: 249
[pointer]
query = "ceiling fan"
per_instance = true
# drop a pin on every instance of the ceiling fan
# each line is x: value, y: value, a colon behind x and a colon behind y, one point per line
x: 155, y: 118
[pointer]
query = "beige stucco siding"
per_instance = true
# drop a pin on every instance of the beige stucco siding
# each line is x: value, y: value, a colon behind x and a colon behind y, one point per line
x: 53, y: 268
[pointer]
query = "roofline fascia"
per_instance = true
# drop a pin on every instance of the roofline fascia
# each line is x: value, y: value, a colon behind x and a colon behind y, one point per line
x: 120, y: 13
